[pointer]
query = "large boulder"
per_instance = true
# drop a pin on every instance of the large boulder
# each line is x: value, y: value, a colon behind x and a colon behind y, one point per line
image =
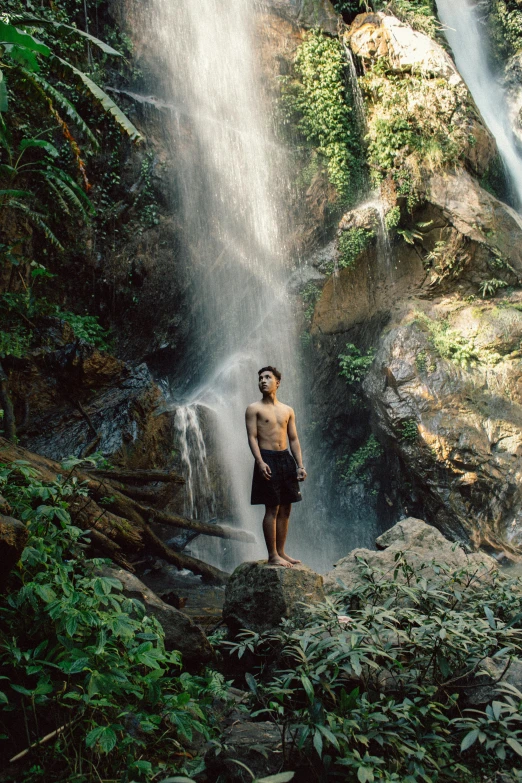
x: 258, y: 596
x: 456, y: 423
x: 255, y: 744
x: 374, y: 36
x: 422, y: 544
x: 180, y: 632
x: 13, y: 538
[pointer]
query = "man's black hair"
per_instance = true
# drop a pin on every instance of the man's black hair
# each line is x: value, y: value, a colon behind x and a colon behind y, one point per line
x: 275, y: 372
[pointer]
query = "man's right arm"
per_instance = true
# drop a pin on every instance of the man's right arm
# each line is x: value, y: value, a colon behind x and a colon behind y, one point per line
x: 251, y: 425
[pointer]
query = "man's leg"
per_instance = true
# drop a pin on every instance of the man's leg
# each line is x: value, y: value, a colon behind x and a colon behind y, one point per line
x: 282, y: 520
x: 269, y: 531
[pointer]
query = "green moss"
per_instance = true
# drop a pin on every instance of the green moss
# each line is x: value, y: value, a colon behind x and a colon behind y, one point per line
x: 322, y: 108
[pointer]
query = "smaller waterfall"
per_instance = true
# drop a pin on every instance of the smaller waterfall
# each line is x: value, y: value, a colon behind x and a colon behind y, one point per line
x: 358, y: 100
x: 470, y: 50
x: 199, y: 497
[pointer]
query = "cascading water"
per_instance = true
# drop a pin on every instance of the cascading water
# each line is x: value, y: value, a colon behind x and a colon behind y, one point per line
x: 230, y: 177
x: 470, y: 50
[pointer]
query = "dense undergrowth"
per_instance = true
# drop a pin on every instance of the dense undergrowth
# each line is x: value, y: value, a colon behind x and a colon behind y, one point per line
x: 376, y: 686
x: 83, y: 663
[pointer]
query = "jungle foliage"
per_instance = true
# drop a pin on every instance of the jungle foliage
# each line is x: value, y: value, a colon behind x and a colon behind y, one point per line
x: 56, y: 122
x: 82, y: 662
x: 376, y: 687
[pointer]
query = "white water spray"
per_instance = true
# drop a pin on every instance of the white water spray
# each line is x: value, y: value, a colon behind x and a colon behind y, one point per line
x: 470, y: 50
x: 230, y: 176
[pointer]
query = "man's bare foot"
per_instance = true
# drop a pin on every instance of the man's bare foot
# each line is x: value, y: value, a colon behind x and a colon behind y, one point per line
x: 275, y: 560
x: 289, y: 559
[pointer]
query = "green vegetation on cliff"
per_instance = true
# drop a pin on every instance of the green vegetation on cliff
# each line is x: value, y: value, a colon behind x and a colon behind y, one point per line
x: 322, y: 108
x: 414, y: 123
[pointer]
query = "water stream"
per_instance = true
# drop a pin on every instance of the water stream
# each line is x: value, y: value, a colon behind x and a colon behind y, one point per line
x: 467, y: 38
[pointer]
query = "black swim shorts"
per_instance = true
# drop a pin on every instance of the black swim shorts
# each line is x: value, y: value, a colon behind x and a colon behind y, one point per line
x: 283, y: 486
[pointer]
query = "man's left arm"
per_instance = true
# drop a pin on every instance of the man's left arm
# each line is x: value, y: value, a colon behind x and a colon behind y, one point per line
x: 295, y: 447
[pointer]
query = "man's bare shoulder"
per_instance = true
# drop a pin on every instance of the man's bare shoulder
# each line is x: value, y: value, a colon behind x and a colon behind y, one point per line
x: 254, y: 407
x: 289, y: 410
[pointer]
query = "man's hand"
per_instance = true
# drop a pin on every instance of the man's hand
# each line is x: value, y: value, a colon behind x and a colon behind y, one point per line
x: 265, y: 470
x: 301, y: 474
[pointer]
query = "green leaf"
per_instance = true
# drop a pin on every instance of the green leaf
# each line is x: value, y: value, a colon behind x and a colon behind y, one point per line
x: 281, y: 777
x: 365, y: 775
x: 33, y: 21
x: 3, y: 93
x: 107, y: 739
x: 513, y: 743
x: 496, y: 706
x: 10, y: 35
x: 318, y: 742
x: 177, y: 779
x: 490, y: 617
x: 251, y: 682
x: 107, y: 103
x: 307, y: 685
x: 40, y: 144
x: 64, y: 104
x: 3, y: 698
x: 469, y: 739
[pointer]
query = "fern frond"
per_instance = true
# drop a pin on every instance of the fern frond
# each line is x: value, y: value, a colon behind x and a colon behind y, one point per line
x: 38, y: 221
x: 106, y: 103
x: 63, y: 103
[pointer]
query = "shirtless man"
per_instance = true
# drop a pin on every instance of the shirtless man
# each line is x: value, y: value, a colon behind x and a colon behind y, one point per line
x: 269, y: 424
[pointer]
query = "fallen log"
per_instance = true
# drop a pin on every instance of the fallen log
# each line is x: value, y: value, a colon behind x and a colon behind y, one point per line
x: 119, y: 524
x: 203, y: 528
x: 208, y: 572
x: 137, y: 476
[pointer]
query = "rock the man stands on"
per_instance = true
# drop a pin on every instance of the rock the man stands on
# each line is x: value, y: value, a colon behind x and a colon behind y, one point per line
x: 270, y: 424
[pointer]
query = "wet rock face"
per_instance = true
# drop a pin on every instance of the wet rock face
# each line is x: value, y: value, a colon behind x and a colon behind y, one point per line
x: 307, y: 13
x: 456, y: 424
x: 258, y: 596
x: 421, y: 543
x: 381, y: 35
x: 180, y: 632
x: 13, y: 538
x: 75, y: 399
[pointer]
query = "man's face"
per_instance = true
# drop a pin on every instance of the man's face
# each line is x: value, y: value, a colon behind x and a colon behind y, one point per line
x: 268, y: 383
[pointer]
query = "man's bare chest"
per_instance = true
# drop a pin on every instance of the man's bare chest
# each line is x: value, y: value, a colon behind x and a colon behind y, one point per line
x: 272, y: 419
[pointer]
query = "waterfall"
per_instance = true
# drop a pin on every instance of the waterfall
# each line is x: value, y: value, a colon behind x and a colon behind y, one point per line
x: 467, y: 39
x: 230, y: 176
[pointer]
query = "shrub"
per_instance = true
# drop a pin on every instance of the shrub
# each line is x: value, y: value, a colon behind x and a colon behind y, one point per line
x: 371, y: 688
